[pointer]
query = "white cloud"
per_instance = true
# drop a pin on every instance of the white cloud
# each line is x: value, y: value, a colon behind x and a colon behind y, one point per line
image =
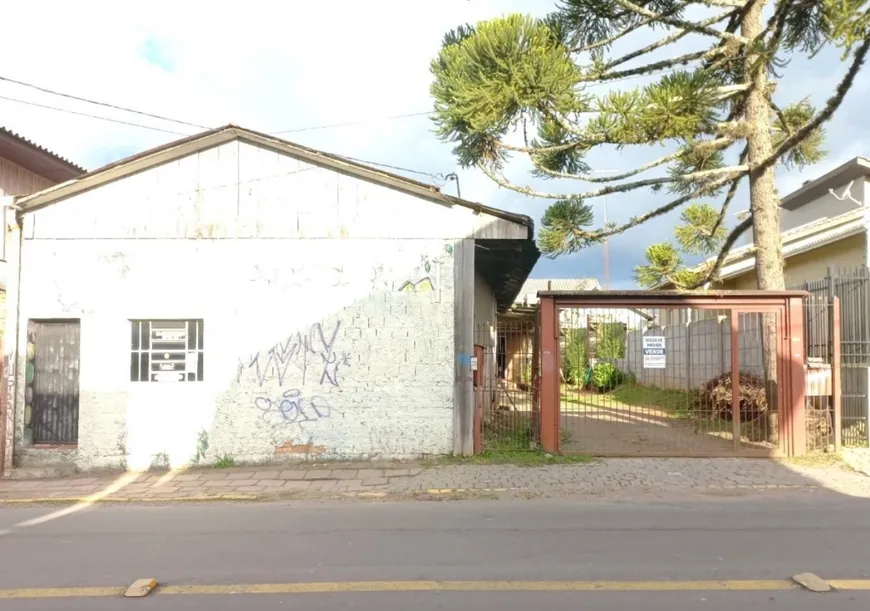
x: 273, y: 66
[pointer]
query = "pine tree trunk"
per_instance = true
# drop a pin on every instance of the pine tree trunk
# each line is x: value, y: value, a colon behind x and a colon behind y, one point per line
x: 764, y: 204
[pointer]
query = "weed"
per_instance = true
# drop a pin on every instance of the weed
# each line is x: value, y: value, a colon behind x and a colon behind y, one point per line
x: 224, y: 462
x: 522, y: 458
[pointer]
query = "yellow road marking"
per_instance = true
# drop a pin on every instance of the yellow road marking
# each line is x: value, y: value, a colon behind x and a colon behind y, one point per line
x: 436, y: 586
x: 850, y: 584
x: 60, y: 592
x: 477, y: 586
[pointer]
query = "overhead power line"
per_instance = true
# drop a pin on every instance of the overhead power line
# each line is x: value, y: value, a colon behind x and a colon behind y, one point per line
x: 350, y: 123
x: 436, y: 177
x: 98, y: 103
x: 84, y: 114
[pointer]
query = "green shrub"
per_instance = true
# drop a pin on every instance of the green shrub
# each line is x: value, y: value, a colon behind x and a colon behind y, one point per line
x: 574, y: 362
x: 611, y: 341
x: 526, y: 375
x: 605, y: 376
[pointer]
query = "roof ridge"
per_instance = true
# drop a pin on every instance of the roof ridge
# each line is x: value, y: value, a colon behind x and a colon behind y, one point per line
x: 227, y: 133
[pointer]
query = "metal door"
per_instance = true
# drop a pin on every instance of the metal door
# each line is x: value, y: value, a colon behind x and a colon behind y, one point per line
x: 55, y: 381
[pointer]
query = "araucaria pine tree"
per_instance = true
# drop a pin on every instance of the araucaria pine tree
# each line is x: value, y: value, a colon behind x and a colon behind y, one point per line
x: 701, y: 233
x: 517, y: 85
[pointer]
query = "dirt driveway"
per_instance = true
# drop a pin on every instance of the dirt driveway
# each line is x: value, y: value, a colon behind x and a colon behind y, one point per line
x: 615, y: 428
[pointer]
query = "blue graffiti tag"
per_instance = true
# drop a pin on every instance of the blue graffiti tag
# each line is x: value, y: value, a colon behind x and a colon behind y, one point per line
x: 291, y: 407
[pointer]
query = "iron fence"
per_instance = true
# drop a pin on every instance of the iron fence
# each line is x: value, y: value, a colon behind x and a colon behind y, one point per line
x: 506, y: 385
x: 852, y: 287
x: 823, y: 403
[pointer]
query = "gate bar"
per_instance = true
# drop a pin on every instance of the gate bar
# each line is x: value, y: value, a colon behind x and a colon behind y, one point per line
x: 735, y: 378
x: 549, y: 375
x: 836, y: 391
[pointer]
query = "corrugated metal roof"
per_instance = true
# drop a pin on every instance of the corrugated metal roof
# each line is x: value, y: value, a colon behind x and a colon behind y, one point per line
x: 529, y: 292
x: 72, y: 168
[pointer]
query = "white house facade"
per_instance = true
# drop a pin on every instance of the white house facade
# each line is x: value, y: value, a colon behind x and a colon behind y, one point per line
x: 233, y: 295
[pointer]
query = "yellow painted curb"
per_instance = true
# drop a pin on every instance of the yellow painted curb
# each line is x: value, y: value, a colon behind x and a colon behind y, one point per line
x: 121, y: 499
x: 435, y: 586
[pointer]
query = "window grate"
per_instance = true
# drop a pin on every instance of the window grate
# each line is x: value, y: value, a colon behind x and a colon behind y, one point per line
x: 166, y: 350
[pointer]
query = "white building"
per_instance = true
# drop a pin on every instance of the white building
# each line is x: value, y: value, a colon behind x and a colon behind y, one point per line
x: 235, y: 295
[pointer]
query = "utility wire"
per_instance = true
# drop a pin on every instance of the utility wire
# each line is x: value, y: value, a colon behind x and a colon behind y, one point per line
x: 393, y: 167
x: 435, y: 177
x: 84, y: 114
x: 349, y: 123
x: 97, y: 103
x: 439, y: 177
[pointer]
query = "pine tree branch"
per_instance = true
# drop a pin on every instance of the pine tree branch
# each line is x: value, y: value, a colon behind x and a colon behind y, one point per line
x: 660, y: 65
x: 826, y: 113
x: 680, y: 23
x: 665, y: 41
x: 717, y: 129
x: 633, y: 28
x: 612, y: 39
x: 717, y: 144
x: 729, y: 197
x: 713, y: 272
x: 501, y: 180
x: 780, y: 115
x: 792, y: 141
x: 538, y: 150
x: 728, y: 3
x: 663, y: 209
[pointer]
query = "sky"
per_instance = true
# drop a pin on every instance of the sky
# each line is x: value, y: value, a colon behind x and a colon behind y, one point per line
x: 338, y: 76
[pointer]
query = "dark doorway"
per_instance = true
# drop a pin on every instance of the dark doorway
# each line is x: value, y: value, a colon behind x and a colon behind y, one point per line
x: 53, y: 354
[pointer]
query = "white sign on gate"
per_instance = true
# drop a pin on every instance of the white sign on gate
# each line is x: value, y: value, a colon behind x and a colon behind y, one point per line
x: 654, y: 352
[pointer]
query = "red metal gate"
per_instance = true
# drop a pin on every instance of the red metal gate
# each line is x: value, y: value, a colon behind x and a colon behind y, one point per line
x: 641, y: 373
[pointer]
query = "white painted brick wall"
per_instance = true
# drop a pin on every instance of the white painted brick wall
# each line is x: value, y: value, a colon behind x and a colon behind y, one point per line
x: 392, y: 358
x: 263, y: 248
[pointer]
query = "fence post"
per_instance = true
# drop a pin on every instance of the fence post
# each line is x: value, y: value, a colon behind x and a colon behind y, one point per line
x: 735, y: 378
x: 835, y: 373
x: 832, y: 293
x: 549, y: 374
x: 795, y: 398
x: 689, y: 350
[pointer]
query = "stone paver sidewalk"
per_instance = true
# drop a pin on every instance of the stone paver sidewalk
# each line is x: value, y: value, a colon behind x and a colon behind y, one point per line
x: 613, y: 478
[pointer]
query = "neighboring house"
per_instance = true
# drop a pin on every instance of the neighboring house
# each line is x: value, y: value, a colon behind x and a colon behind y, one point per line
x: 235, y: 295
x: 26, y: 167
x: 824, y: 223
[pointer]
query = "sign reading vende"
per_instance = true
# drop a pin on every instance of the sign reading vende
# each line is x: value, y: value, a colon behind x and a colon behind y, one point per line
x: 654, y: 352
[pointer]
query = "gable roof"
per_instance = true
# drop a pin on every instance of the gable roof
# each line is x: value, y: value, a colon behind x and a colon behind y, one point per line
x: 813, y: 189
x: 35, y: 158
x: 798, y: 240
x: 212, y: 138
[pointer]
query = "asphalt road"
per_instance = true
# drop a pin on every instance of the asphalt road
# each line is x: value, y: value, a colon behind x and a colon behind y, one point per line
x: 541, y: 541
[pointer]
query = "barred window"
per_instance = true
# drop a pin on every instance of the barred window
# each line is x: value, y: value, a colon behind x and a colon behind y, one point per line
x: 166, y: 351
